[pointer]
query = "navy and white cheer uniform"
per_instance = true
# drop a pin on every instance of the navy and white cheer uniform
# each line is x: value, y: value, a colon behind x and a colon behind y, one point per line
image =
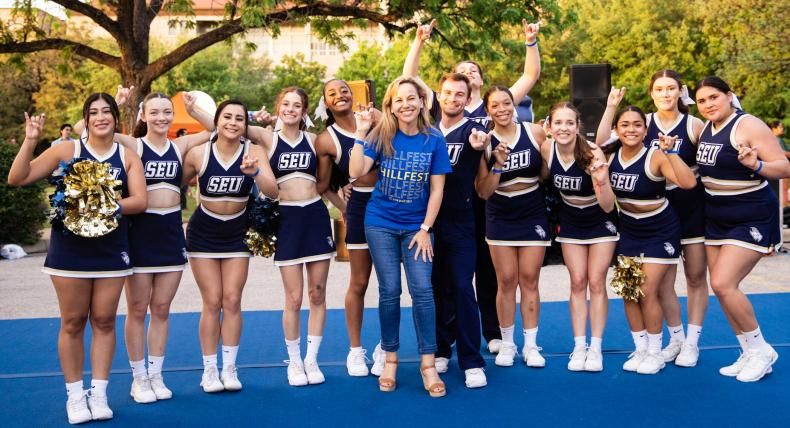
x: 654, y: 235
x: 518, y: 218
x: 689, y: 204
x: 305, y: 233
x: 747, y: 217
x: 214, y: 235
x: 582, y: 221
x: 156, y: 237
x: 74, y: 256
x: 358, y: 202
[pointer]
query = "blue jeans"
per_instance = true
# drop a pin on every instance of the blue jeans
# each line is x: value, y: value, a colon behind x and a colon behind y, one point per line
x: 388, y: 248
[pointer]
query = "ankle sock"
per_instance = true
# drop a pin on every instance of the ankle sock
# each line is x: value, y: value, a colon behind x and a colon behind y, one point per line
x: 531, y: 337
x: 755, y: 340
x: 654, y: 343
x: 676, y: 333
x: 209, y: 361
x: 99, y: 387
x: 313, y: 344
x: 74, y: 390
x: 155, y: 364
x: 579, y: 341
x: 742, y: 341
x: 595, y: 343
x: 294, y: 349
x: 507, y: 334
x: 640, y: 340
x: 693, y: 334
x: 229, y: 356
x: 138, y: 368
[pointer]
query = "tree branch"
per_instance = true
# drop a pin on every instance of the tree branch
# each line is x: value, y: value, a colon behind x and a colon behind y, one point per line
x: 154, y: 8
x: 93, y: 13
x: 50, y: 44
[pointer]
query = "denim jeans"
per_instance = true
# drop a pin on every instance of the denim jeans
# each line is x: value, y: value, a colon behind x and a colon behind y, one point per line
x: 388, y: 248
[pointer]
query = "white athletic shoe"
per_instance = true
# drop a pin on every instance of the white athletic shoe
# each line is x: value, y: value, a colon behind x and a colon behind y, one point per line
x: 507, y: 352
x: 78, y: 411
x: 210, y: 380
x: 99, y: 409
x: 442, y: 364
x: 671, y: 351
x: 158, y: 385
x: 577, y: 358
x: 379, y: 356
x: 633, y: 361
x: 230, y: 378
x: 651, y: 364
x: 357, y: 362
x: 758, y: 364
x: 733, y: 369
x: 141, y: 390
x: 494, y: 345
x: 688, y: 357
x: 296, y: 374
x: 594, y: 360
x: 313, y: 372
x: 532, y: 356
x: 475, y: 378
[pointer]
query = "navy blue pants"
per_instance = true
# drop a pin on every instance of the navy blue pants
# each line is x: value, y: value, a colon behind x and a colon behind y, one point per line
x: 485, y: 276
x: 457, y: 317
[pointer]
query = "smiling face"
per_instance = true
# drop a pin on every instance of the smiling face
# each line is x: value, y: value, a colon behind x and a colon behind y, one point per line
x: 291, y: 109
x: 453, y: 97
x: 472, y: 71
x: 231, y: 122
x: 631, y: 128
x: 337, y: 96
x: 158, y: 115
x: 100, y: 119
x: 714, y: 104
x: 499, y: 106
x: 406, y: 104
x: 564, y: 126
x: 665, y: 93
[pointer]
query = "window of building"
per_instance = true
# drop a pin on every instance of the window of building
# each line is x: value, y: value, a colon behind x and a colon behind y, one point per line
x: 322, y: 48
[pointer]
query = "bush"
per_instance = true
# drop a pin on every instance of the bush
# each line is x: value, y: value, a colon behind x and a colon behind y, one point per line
x: 22, y: 209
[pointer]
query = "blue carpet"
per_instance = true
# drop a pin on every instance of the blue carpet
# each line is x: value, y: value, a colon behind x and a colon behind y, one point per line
x: 552, y: 396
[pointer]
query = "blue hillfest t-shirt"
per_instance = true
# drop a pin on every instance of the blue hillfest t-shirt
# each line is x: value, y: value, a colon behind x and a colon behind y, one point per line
x: 400, y: 198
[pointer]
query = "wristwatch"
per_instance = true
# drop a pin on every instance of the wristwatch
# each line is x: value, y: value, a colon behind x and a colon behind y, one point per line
x: 426, y: 228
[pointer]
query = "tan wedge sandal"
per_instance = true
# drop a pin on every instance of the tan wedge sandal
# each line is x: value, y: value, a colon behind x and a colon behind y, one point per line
x: 388, y: 384
x: 436, y: 389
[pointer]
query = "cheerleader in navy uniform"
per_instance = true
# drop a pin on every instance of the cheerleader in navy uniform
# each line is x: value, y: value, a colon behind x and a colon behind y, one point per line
x: 736, y: 154
x: 588, y: 231
x: 672, y: 118
x: 517, y: 229
x: 226, y: 168
x: 87, y: 273
x: 649, y: 228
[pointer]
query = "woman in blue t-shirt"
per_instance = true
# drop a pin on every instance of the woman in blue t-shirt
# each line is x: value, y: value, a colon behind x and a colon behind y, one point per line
x: 412, y: 160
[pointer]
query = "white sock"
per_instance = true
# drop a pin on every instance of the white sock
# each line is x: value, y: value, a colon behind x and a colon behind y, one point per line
x: 209, y: 361
x: 155, y: 364
x: 579, y: 341
x: 531, y: 337
x: 229, y: 356
x: 755, y: 340
x: 595, y: 342
x: 313, y: 344
x: 694, y: 332
x: 138, y: 368
x: 654, y: 343
x: 74, y: 390
x: 99, y: 387
x: 507, y: 334
x: 742, y: 341
x: 640, y: 340
x: 676, y: 333
x: 294, y: 351
x: 355, y: 349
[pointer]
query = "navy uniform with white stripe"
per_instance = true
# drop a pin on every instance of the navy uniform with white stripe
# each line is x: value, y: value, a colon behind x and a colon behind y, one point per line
x: 689, y: 204
x: 518, y: 218
x: 214, y: 235
x: 107, y: 256
x: 163, y: 169
x: 358, y: 202
x: 305, y: 233
x: 582, y: 220
x: 655, y: 234
x: 746, y: 217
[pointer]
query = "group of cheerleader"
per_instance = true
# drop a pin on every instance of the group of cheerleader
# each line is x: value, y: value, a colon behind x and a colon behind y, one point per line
x: 447, y: 178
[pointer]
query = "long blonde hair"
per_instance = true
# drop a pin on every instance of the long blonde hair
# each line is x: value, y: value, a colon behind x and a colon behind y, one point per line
x: 382, y: 134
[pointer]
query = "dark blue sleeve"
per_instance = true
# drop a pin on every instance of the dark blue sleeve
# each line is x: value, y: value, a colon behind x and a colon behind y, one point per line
x: 371, y: 152
x: 440, y: 161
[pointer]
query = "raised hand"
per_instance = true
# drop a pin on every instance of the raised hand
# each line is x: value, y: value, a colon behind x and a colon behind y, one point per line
x: 530, y: 31
x: 501, y: 153
x: 615, y: 96
x: 189, y: 101
x: 249, y: 166
x: 599, y: 171
x: 123, y: 95
x: 424, y: 31
x: 263, y: 116
x: 479, y: 139
x: 364, y: 119
x: 666, y: 142
x: 33, y: 126
x: 747, y: 156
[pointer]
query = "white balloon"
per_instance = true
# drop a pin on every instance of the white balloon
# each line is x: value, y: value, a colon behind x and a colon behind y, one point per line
x: 204, y: 102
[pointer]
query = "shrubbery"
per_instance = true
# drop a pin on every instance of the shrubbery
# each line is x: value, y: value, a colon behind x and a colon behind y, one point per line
x: 23, y: 210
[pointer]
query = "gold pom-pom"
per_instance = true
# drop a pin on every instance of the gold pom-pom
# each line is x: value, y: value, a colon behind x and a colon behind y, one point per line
x: 628, y: 278
x: 91, y: 199
x: 260, y: 245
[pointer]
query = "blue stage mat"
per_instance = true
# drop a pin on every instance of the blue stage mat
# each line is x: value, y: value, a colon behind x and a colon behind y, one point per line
x: 34, y: 394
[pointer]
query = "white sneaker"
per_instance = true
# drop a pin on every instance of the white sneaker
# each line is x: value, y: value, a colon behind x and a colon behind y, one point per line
x: 313, y: 372
x: 494, y: 345
x: 475, y: 378
x: 651, y: 364
x: 758, y: 364
x: 532, y: 357
x: 141, y: 390
x: 379, y: 356
x: 230, y: 378
x: 633, y: 361
x: 210, y: 380
x: 77, y: 410
x: 688, y: 357
x: 733, y: 369
x: 158, y: 385
x: 594, y: 360
x: 441, y: 364
x: 357, y: 362
x: 507, y: 352
x: 577, y: 358
x: 671, y: 351
x: 99, y: 409
x: 296, y: 374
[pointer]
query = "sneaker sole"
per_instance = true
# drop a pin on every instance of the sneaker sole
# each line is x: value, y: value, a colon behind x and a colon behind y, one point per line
x: 576, y: 369
x: 593, y: 369
x: 651, y: 372
x: 213, y: 390
x: 687, y: 365
x: 503, y: 364
x: 476, y: 386
x: 535, y: 365
x: 142, y: 402
x: 768, y: 370
x: 358, y: 374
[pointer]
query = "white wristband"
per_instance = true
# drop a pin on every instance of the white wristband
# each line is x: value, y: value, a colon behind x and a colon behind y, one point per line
x: 425, y: 227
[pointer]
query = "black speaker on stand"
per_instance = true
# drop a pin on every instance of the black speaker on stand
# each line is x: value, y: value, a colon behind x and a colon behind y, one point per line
x: 590, y: 85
